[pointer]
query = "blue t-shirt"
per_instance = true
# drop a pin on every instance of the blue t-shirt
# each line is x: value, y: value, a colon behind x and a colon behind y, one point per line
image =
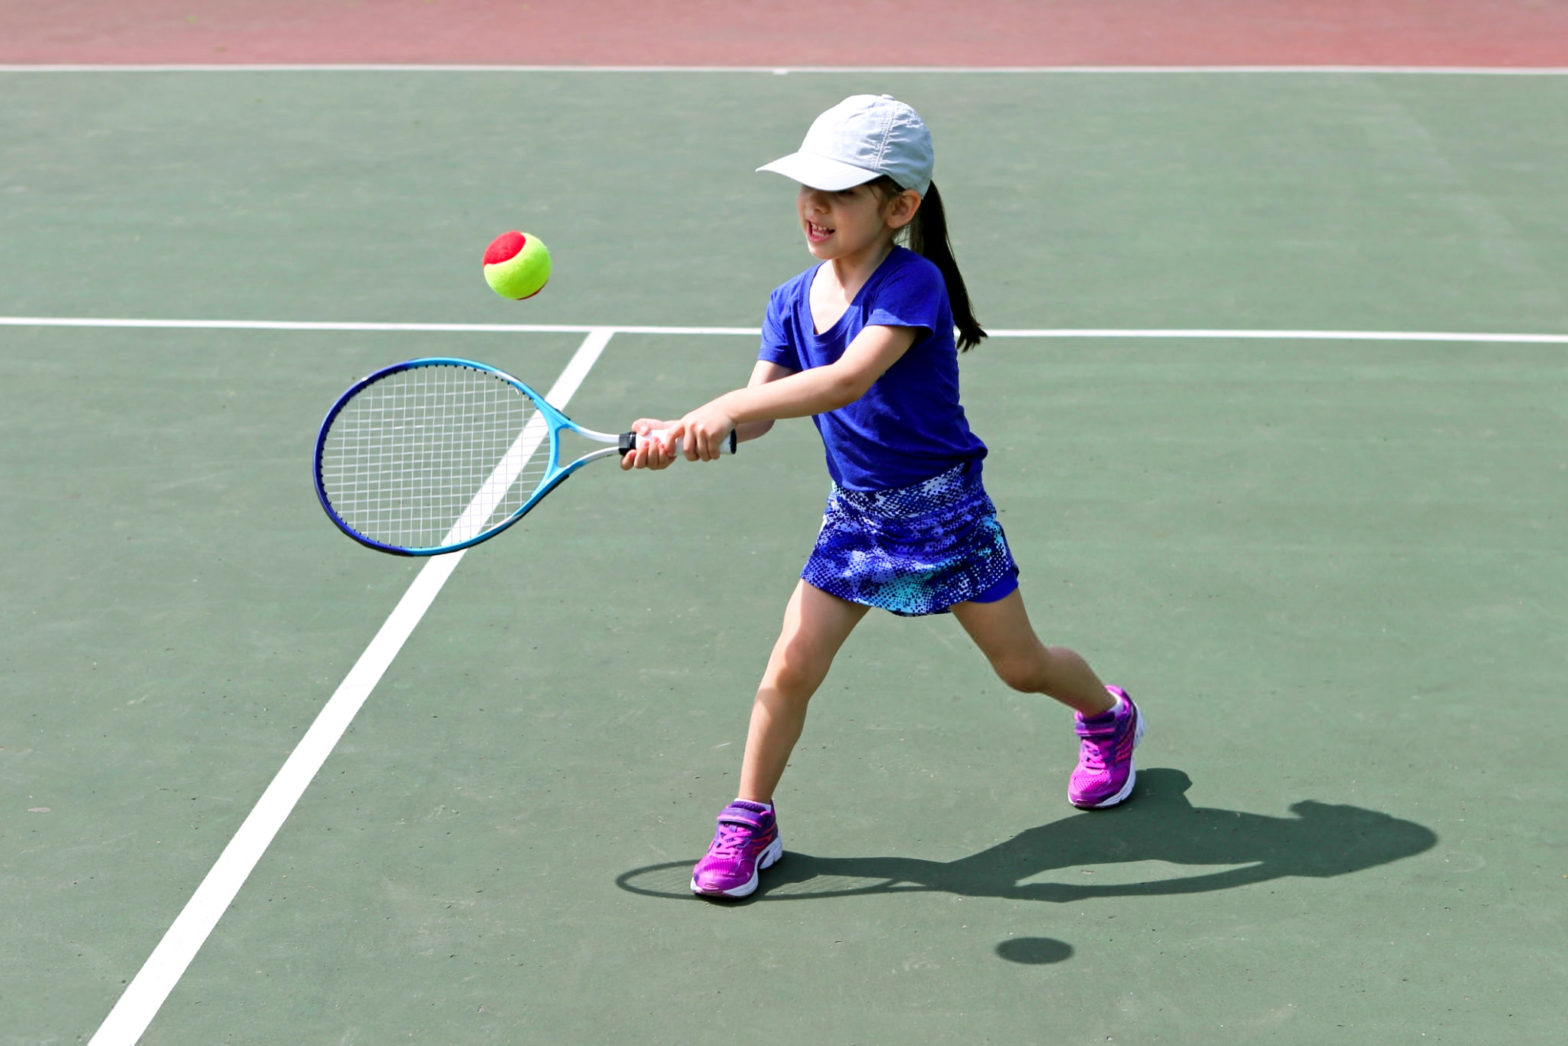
x: 909, y: 426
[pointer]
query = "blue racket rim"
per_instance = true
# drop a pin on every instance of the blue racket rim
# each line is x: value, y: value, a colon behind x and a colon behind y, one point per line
x: 554, y: 421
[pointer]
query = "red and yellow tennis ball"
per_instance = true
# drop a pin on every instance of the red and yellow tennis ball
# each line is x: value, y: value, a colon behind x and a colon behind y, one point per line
x: 517, y: 265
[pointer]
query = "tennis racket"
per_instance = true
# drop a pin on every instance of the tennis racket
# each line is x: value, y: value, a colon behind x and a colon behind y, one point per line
x: 434, y: 455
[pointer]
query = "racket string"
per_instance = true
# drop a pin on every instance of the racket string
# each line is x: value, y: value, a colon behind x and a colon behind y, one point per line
x: 434, y: 455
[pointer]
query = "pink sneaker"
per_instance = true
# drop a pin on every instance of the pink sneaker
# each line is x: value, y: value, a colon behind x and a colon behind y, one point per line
x: 1105, y: 772
x: 746, y: 842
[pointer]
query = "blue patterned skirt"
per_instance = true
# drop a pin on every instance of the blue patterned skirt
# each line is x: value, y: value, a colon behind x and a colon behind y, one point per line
x: 914, y: 550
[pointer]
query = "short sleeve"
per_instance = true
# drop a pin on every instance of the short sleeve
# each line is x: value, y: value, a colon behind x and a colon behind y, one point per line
x: 913, y: 296
x: 779, y: 344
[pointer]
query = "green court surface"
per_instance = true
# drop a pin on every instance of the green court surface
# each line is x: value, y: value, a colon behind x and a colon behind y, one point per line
x: 1332, y: 569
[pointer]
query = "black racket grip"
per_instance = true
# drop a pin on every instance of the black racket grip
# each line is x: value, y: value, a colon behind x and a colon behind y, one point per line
x: 630, y: 441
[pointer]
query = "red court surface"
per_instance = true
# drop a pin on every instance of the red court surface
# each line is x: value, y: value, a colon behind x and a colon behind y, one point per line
x: 931, y: 33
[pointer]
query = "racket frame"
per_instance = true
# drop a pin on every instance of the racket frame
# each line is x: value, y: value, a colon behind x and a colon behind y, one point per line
x: 555, y: 474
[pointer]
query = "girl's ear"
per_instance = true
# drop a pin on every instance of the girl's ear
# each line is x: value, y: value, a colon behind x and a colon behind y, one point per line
x: 901, y: 208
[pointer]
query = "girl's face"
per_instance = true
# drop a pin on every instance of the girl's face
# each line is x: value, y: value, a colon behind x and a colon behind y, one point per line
x: 851, y: 224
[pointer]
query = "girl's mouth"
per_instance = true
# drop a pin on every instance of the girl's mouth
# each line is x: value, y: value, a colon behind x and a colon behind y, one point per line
x: 817, y: 233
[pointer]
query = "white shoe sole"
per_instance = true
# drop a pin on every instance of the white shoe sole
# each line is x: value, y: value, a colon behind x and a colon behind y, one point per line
x: 766, y: 859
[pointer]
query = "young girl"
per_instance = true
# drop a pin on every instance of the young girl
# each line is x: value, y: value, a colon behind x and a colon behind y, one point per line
x: 864, y: 343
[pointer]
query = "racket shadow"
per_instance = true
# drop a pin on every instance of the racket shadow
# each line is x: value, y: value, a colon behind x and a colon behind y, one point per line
x: 1316, y: 840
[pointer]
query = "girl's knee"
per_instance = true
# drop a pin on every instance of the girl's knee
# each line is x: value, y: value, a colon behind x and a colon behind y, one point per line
x: 797, y: 668
x: 1024, y: 674
x: 790, y: 677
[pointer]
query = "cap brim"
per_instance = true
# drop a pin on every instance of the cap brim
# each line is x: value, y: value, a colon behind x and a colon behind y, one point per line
x: 819, y: 172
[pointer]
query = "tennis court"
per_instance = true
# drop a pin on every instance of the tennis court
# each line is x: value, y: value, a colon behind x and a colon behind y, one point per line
x: 1277, y: 408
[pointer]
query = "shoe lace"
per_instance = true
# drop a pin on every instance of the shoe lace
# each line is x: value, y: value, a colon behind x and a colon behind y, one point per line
x: 730, y: 839
x: 1095, y: 752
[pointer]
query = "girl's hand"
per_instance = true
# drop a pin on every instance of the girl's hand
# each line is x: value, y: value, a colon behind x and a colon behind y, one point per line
x: 703, y: 432
x: 650, y: 453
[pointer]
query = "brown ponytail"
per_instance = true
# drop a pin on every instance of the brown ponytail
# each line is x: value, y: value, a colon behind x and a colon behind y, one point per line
x: 928, y: 237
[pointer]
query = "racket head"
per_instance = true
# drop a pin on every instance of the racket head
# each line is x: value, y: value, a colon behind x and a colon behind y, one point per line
x: 436, y: 454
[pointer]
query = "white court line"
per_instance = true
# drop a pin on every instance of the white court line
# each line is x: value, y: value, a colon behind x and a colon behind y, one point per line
x: 804, y: 70
x: 146, y: 993
x: 1222, y: 334
x: 356, y: 327
x: 1207, y: 334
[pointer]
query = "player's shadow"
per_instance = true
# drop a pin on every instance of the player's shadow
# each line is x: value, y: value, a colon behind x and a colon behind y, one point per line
x: 1159, y: 824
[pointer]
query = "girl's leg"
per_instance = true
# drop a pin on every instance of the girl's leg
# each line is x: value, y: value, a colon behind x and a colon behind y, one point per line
x: 1002, y: 632
x: 1105, y: 772
x: 815, y: 627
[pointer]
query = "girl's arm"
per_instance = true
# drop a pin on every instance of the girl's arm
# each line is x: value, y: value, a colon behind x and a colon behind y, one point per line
x: 763, y: 373
x: 753, y: 409
x: 651, y: 455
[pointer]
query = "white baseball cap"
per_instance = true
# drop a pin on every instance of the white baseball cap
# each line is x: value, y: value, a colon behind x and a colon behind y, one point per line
x: 863, y: 137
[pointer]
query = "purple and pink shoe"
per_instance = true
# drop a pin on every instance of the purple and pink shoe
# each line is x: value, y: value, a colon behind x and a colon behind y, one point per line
x: 1105, y: 773
x: 746, y: 842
